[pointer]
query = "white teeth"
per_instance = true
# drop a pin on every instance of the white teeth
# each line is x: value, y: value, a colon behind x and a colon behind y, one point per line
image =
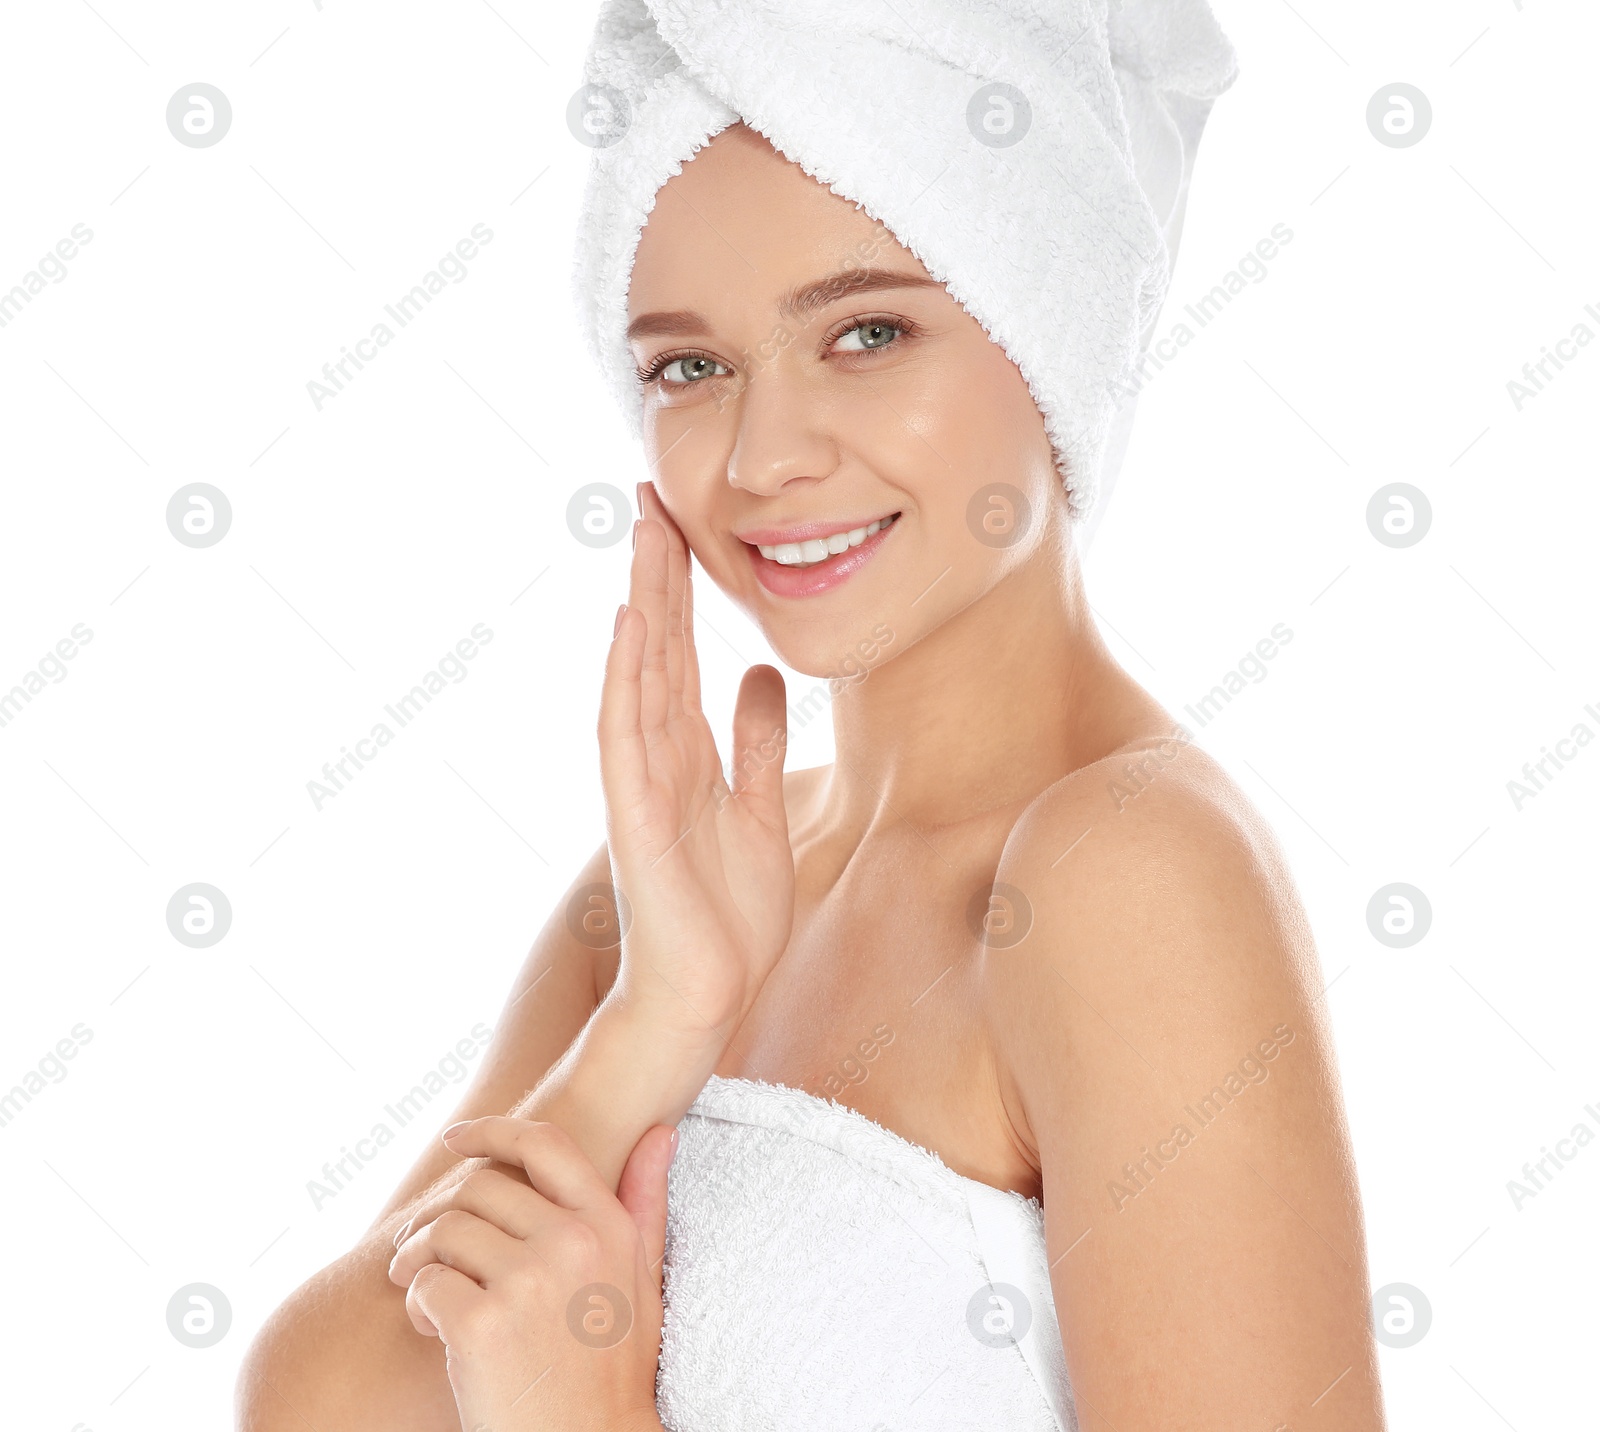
x: 818, y: 549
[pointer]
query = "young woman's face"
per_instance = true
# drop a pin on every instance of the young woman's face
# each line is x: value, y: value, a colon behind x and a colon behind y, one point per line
x: 768, y: 422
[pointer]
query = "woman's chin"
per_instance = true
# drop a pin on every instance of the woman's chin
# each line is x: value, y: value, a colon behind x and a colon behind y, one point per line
x: 804, y: 661
x: 838, y: 658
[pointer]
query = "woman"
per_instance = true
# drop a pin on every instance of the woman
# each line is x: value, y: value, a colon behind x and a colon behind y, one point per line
x: 995, y: 1049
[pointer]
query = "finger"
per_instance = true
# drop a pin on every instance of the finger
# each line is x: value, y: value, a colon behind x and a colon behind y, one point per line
x: 677, y: 552
x: 760, y: 741
x: 444, y: 1192
x: 691, y: 656
x: 496, y: 1192
x: 440, y: 1302
x: 555, y: 1165
x: 460, y: 1240
x: 624, y: 762
x: 642, y: 1190
x: 650, y: 596
x: 676, y: 564
x: 503, y: 1199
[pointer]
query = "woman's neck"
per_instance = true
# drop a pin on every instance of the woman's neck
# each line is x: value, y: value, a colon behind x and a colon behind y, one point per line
x: 1002, y: 700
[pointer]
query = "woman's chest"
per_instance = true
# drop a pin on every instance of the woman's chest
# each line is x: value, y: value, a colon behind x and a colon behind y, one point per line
x: 877, y: 1003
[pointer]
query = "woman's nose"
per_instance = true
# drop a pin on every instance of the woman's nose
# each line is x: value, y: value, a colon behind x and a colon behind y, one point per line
x: 780, y: 434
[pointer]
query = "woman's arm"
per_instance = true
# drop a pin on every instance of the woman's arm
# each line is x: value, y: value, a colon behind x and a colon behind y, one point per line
x: 342, y: 1345
x: 707, y: 874
x: 560, y: 985
x: 342, y: 1351
x: 1165, y: 1057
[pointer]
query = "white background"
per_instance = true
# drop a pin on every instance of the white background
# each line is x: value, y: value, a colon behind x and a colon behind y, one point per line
x: 369, y: 537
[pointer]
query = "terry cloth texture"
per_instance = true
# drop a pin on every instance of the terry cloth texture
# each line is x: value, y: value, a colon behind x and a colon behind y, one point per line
x: 823, y: 1274
x: 1035, y: 159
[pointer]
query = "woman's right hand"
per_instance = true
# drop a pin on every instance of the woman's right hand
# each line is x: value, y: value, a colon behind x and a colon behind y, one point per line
x: 705, y: 872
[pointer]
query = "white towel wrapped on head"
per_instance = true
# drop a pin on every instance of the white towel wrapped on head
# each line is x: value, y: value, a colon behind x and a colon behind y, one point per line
x: 1035, y: 161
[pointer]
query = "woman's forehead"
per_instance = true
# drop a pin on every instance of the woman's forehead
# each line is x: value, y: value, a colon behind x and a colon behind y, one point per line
x: 788, y: 260
x: 744, y: 219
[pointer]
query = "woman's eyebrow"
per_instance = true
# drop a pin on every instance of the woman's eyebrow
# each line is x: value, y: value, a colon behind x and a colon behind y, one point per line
x: 801, y: 301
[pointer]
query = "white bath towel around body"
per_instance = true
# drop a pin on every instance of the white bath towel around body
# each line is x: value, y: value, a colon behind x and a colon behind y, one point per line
x: 823, y: 1274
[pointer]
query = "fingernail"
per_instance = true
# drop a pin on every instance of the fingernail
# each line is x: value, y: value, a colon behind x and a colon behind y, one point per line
x: 638, y: 495
x: 616, y: 626
x: 636, y: 523
x: 454, y: 1129
x: 674, y: 1146
x: 405, y: 1231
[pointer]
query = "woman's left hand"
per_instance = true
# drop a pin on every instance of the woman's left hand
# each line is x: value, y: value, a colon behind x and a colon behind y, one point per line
x: 548, y: 1300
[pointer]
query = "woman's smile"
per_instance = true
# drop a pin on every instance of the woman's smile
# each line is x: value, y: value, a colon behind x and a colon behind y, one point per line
x: 805, y: 560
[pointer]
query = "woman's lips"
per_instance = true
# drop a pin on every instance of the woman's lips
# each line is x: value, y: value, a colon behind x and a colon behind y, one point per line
x: 821, y: 576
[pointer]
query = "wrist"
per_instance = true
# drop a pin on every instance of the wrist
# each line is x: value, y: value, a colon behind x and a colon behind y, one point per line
x: 661, y: 1021
x: 630, y: 1052
x: 622, y: 1075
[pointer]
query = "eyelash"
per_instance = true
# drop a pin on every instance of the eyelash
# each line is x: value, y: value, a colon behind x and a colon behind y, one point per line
x: 648, y: 375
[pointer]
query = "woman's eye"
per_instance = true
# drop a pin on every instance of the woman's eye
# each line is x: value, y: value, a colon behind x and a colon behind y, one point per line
x: 877, y: 335
x: 690, y: 370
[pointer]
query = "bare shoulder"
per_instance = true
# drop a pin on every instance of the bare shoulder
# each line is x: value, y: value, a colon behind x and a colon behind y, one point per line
x: 1154, y: 1009
x: 1150, y: 886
